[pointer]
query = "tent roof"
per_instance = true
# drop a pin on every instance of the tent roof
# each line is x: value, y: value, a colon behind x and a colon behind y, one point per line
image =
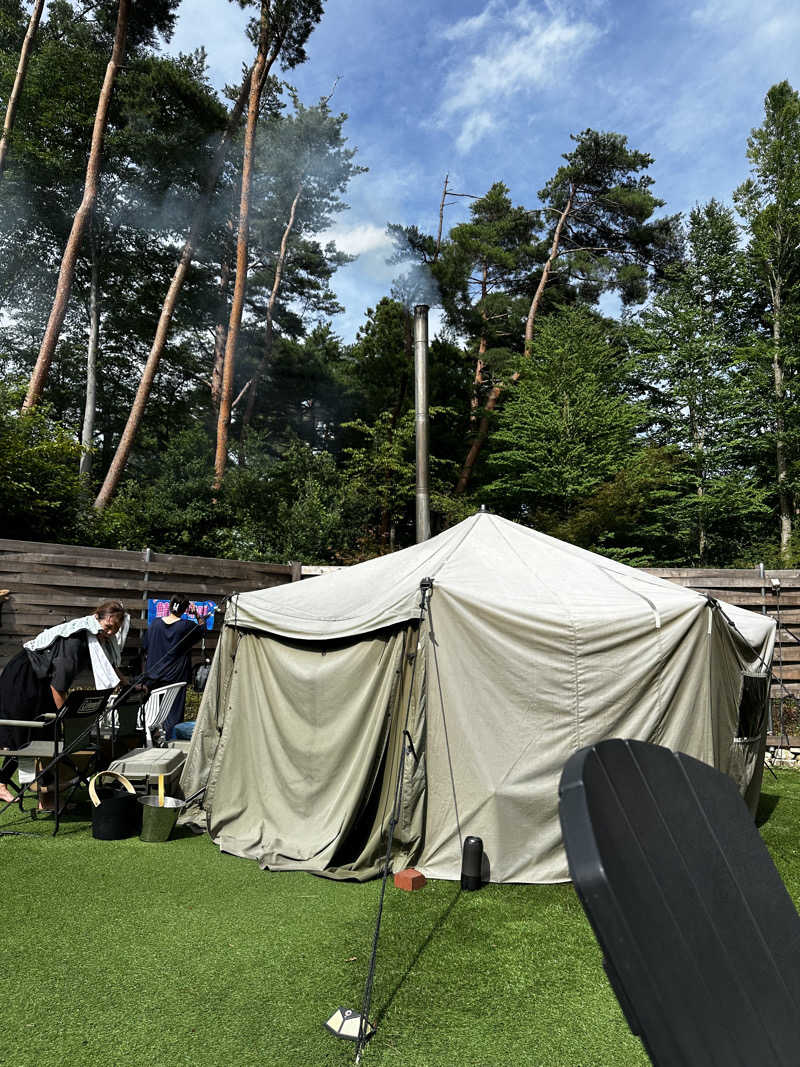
x: 486, y: 558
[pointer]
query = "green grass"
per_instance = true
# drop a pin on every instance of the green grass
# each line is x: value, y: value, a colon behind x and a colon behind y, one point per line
x: 121, y: 952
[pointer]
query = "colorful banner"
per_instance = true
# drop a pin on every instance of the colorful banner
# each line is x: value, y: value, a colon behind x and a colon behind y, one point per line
x: 201, y: 611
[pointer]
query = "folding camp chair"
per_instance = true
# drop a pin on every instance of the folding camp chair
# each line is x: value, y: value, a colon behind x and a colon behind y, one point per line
x: 157, y: 708
x: 123, y: 718
x: 59, y: 736
x: 700, y: 939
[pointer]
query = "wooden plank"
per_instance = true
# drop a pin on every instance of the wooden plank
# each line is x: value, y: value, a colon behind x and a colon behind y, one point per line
x: 57, y: 597
x: 744, y: 598
x: 20, y: 582
x: 163, y: 561
x: 789, y: 672
x: 791, y: 618
x: 96, y: 588
x: 224, y: 568
x: 200, y: 589
x: 10, y: 545
x: 786, y: 653
x: 731, y: 585
x: 700, y: 573
x: 78, y: 564
x: 31, y: 573
x: 782, y: 740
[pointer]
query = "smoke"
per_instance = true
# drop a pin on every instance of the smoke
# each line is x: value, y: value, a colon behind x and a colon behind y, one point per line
x: 416, y: 286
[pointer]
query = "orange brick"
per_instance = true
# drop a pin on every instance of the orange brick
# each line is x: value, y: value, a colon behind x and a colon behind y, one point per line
x: 409, y: 879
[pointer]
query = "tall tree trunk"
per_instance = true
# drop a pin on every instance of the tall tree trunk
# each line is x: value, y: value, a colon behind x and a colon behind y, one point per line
x: 480, y: 437
x: 273, y: 296
x: 87, y: 432
x: 82, y: 216
x: 118, y: 463
x: 264, y: 61
x: 475, y: 400
x: 221, y: 329
x: 781, y: 462
x: 19, y: 81
x: 491, y: 403
x: 537, y: 296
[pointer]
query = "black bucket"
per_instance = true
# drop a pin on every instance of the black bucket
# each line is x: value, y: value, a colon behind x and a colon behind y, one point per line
x: 116, y: 812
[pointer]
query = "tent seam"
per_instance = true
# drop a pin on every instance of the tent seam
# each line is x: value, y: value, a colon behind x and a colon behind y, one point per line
x: 573, y: 630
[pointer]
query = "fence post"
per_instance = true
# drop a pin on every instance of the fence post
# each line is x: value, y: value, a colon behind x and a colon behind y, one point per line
x: 145, y: 584
x: 297, y: 570
x: 763, y: 578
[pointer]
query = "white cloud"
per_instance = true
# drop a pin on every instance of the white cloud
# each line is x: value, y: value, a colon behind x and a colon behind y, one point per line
x: 515, y: 50
x: 473, y: 128
x: 470, y: 27
x: 752, y: 26
x: 358, y: 239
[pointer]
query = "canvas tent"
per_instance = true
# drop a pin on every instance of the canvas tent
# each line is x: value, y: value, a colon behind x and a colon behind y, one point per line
x: 529, y: 649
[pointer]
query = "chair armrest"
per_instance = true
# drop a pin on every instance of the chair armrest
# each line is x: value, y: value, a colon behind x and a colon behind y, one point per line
x: 32, y: 723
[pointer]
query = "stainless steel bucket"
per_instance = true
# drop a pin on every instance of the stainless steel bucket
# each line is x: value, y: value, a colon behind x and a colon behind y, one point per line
x: 158, y: 821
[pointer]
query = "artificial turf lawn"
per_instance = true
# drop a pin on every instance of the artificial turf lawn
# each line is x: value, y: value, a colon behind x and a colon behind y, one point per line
x: 121, y: 952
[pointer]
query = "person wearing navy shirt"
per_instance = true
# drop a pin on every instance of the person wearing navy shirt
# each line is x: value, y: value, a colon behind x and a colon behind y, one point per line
x: 168, y: 648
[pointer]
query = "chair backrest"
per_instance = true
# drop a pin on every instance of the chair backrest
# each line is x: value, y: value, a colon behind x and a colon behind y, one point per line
x: 701, y: 941
x: 80, y: 711
x: 124, y: 715
x: 158, y: 706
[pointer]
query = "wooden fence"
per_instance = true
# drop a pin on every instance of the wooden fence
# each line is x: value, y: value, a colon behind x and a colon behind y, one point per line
x: 49, y: 583
x: 774, y: 593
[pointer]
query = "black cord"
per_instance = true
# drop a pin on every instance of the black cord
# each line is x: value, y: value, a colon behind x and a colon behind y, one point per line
x: 426, y: 586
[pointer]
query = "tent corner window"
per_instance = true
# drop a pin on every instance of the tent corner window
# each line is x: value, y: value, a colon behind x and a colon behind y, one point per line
x: 753, y: 699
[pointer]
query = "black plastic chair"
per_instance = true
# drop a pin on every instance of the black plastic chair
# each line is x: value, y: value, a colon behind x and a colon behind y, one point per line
x: 58, y: 736
x: 701, y: 941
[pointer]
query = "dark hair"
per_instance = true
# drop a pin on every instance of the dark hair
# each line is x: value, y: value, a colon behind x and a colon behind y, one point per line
x: 110, y: 607
x: 179, y: 604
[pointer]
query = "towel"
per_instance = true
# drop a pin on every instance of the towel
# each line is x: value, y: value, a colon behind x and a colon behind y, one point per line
x: 104, y: 655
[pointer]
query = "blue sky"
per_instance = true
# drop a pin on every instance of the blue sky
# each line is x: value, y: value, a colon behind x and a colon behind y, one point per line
x: 488, y: 91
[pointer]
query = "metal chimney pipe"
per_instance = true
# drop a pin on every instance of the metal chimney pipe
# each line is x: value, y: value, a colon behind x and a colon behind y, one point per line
x: 421, y: 414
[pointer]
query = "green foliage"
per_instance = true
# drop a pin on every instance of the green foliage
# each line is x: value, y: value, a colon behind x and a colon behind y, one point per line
x: 271, y: 507
x: 284, y: 507
x: 482, y: 267
x: 569, y: 426
x: 379, y: 365
x: 704, y: 402
x: 170, y: 506
x: 653, y: 439
x: 156, y: 149
x: 40, y: 496
x: 769, y: 202
x: 610, y: 240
